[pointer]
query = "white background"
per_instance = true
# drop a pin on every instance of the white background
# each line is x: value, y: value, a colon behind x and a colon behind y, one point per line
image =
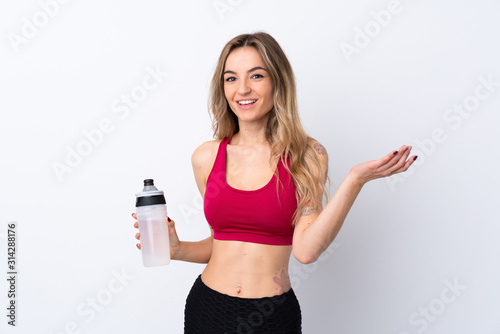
x: 406, y: 239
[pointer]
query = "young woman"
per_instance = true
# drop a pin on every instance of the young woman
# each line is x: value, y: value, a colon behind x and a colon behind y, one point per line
x: 263, y: 181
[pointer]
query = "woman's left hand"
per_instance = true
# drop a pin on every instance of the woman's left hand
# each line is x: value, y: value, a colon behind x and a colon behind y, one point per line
x: 393, y: 163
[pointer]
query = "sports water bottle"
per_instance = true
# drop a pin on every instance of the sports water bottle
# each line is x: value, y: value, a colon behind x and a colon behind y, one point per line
x: 151, y: 214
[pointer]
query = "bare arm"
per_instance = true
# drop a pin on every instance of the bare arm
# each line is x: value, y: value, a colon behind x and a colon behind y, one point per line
x: 192, y: 251
x: 195, y: 251
x: 316, y: 228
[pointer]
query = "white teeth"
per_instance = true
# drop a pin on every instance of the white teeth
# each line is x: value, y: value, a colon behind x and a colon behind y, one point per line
x: 247, y: 102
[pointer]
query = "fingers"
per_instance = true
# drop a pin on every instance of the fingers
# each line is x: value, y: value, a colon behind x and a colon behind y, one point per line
x: 395, y: 156
x: 137, y: 235
x: 171, y: 225
x: 136, y: 224
x: 401, y: 162
x: 399, y: 159
x: 388, y: 157
x: 406, y: 165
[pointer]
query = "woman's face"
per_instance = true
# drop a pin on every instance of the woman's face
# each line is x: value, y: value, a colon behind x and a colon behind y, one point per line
x: 247, y: 85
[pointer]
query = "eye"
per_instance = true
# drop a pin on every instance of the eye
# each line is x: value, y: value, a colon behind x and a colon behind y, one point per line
x: 258, y: 76
x: 230, y: 79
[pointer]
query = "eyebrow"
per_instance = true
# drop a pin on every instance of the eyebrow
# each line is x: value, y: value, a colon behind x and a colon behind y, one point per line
x: 250, y: 70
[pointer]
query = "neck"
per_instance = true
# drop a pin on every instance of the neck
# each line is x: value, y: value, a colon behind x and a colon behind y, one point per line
x: 251, y: 133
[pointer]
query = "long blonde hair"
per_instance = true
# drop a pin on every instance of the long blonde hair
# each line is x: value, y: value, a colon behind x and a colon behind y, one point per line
x: 284, y: 130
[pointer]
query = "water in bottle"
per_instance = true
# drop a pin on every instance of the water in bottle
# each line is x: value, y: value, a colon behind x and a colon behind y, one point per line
x: 151, y: 215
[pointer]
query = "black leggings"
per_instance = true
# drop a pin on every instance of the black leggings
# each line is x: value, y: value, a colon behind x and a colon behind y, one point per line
x: 211, y: 312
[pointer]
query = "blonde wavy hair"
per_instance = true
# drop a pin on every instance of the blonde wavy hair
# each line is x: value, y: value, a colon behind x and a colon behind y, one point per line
x: 284, y: 130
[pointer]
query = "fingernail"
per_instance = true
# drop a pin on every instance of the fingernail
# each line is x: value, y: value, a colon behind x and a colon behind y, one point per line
x: 168, y: 219
x: 415, y: 158
x: 132, y: 214
x: 395, y: 152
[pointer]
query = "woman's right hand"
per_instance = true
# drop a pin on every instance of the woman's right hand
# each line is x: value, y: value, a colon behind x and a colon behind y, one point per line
x: 175, y: 243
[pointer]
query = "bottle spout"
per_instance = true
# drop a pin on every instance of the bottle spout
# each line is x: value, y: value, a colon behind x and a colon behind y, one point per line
x: 149, y: 185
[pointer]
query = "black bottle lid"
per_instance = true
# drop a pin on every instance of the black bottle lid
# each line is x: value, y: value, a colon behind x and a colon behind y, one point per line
x: 149, y: 195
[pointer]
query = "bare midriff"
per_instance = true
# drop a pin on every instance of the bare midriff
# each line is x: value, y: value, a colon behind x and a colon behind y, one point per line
x: 248, y: 270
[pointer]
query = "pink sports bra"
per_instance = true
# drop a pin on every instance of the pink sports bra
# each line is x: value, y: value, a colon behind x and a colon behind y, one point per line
x: 249, y: 215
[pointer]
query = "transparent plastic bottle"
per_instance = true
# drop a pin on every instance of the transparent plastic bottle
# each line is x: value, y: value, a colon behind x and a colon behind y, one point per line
x: 151, y: 215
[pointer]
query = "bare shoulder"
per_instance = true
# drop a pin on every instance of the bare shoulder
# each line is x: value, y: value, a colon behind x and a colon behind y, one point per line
x: 202, y: 160
x: 317, y: 147
x: 205, y: 152
x: 320, y: 151
x: 322, y: 156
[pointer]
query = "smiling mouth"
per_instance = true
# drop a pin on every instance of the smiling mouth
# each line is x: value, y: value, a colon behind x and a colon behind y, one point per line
x: 246, y: 102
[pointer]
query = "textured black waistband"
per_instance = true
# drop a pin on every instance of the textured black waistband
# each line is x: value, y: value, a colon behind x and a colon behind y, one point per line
x: 209, y: 311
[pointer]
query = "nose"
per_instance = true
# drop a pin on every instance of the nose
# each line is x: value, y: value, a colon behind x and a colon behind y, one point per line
x: 244, y: 87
